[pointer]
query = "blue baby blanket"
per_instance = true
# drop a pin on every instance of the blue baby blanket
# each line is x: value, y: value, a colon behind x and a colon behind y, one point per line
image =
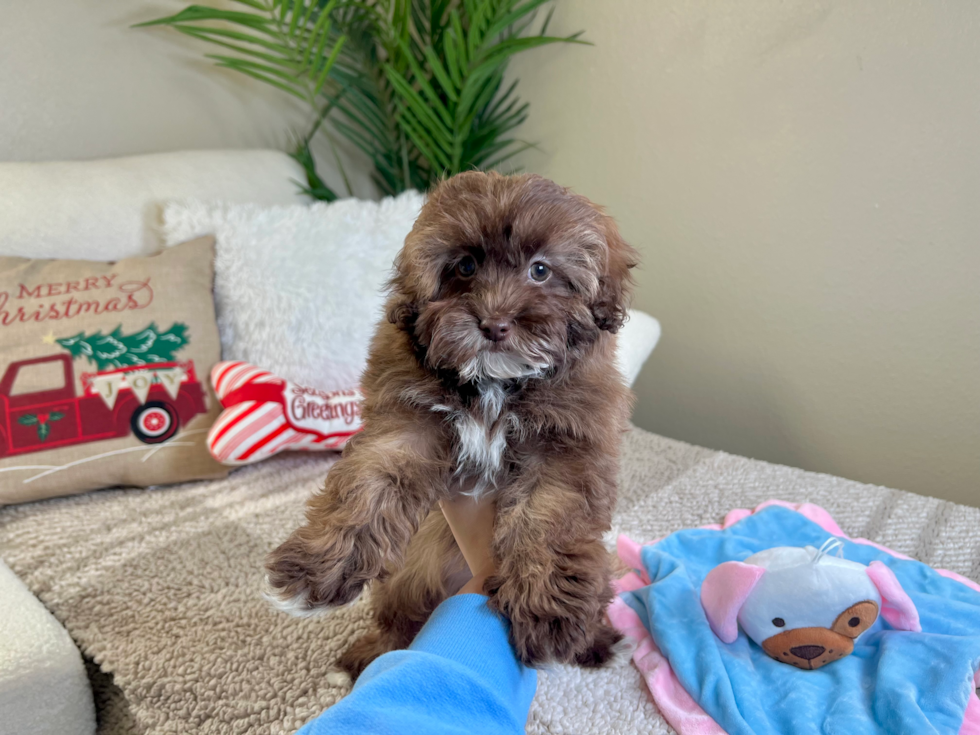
x: 894, y: 682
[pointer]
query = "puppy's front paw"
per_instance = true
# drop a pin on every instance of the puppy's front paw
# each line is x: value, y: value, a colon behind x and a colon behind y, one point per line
x: 309, y: 573
x: 363, y: 651
x: 606, y: 646
x: 553, y: 620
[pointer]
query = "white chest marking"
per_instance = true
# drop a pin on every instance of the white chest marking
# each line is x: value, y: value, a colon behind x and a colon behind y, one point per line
x: 480, y: 449
x: 482, y: 438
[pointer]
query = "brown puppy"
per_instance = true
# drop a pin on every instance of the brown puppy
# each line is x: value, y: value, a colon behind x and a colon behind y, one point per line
x: 494, y: 374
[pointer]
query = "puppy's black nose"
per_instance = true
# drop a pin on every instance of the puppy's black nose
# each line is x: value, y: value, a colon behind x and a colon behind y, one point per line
x: 495, y: 330
x: 807, y: 653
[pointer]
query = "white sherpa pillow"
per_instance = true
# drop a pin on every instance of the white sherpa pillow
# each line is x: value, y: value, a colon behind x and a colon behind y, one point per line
x: 298, y: 288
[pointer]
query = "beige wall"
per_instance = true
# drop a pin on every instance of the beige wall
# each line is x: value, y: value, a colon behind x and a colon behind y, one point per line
x: 76, y: 82
x: 803, y: 181
x: 802, y: 178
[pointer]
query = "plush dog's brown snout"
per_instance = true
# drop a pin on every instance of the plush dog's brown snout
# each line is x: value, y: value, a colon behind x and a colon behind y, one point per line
x: 811, y: 648
x: 807, y: 653
x: 495, y: 330
x: 808, y: 648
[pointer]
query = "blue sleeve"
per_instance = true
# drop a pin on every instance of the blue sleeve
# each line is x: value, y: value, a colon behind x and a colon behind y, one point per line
x: 459, y: 676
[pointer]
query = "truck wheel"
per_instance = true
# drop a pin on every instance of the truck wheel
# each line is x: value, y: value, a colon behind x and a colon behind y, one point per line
x: 154, y: 422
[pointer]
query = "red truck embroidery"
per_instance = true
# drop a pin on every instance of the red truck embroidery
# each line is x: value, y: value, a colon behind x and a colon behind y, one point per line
x: 150, y: 401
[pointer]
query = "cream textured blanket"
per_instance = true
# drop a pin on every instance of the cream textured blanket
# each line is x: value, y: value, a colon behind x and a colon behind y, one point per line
x: 160, y: 588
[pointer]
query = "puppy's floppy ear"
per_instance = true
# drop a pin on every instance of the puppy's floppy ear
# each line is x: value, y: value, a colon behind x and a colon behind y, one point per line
x: 615, y: 283
x: 401, y: 308
x: 401, y: 313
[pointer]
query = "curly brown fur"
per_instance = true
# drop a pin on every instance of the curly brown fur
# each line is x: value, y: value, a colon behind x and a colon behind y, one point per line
x: 434, y: 569
x: 485, y: 379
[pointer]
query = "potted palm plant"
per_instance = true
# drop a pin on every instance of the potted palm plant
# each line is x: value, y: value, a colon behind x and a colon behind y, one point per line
x: 416, y: 85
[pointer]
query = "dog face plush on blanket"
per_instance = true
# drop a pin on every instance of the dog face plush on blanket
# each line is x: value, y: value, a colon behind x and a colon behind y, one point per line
x: 803, y: 606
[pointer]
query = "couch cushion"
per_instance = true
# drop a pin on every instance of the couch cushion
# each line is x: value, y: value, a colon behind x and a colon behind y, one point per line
x: 163, y: 586
x: 109, y: 209
x: 104, y: 372
x: 43, y: 686
x: 634, y: 343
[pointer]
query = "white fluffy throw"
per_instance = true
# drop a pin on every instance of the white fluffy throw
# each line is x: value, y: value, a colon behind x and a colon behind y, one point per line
x: 298, y: 289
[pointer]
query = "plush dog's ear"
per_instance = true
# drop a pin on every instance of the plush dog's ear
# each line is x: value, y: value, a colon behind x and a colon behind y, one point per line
x: 897, y: 607
x: 615, y: 284
x: 724, y: 591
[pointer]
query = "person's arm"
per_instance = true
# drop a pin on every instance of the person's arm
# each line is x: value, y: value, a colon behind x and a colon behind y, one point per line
x: 471, y: 521
x: 460, y: 674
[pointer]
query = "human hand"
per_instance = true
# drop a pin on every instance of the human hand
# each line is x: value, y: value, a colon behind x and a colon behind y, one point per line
x: 471, y: 521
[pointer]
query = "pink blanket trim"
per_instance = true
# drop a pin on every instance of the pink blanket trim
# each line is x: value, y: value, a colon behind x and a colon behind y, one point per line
x: 675, y: 704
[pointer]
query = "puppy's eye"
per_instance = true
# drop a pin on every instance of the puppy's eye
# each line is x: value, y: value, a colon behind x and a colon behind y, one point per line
x: 539, y: 272
x: 778, y: 622
x: 466, y: 267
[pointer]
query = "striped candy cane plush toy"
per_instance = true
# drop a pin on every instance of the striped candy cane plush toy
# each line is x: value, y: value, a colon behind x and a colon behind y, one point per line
x: 265, y: 415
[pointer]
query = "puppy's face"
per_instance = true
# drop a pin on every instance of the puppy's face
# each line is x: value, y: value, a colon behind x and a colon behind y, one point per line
x: 509, y: 277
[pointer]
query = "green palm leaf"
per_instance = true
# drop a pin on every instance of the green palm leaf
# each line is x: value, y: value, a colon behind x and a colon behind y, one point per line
x: 449, y: 91
x: 194, y: 13
x: 415, y: 85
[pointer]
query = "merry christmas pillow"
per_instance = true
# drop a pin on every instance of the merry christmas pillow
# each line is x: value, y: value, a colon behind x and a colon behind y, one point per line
x: 104, y: 372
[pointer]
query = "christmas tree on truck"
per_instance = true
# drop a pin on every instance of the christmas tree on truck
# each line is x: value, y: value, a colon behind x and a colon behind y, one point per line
x: 116, y: 350
x: 139, y: 389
